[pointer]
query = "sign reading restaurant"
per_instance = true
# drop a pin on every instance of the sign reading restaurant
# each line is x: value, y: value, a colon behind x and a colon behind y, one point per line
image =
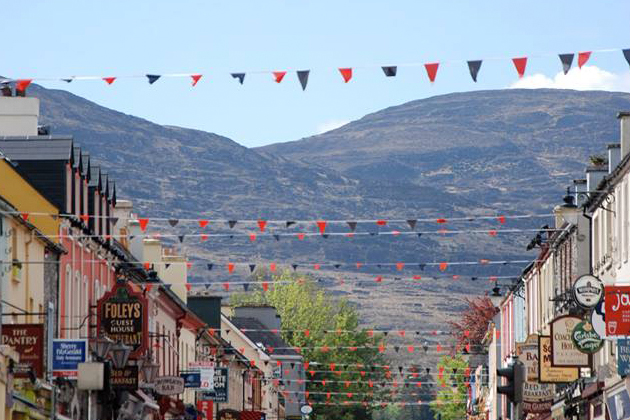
x: 123, y: 315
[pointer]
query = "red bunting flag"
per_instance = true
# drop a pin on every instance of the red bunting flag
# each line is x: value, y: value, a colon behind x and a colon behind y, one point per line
x: 265, y: 286
x: 230, y: 267
x: 307, y: 333
x: 226, y: 286
x: 370, y: 383
x: 307, y: 364
x: 332, y: 367
x: 24, y: 216
x: 439, y: 348
x: 279, y: 75
x: 346, y: 73
x: 262, y: 224
x: 520, y: 63
x: 359, y: 265
x: 316, y: 266
x: 203, y: 223
x: 443, y: 266
x: 321, y: 224
x: 149, y: 287
x: 583, y: 58
x: 400, y: 266
x: 432, y: 69
x: 401, y: 333
x: 440, y: 221
x: 195, y: 78
x: 370, y: 333
x: 301, y: 236
x: 109, y: 80
x: 22, y: 84
x: 501, y: 219
x: 188, y: 287
x: 379, y: 279
x: 417, y: 277
x: 147, y: 265
x: 492, y: 232
x: 143, y: 224
x: 272, y: 267
x: 204, y: 237
x: 410, y: 349
x: 211, y: 331
x: 252, y: 237
x: 381, y: 222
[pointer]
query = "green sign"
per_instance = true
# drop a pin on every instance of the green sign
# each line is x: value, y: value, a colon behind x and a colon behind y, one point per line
x: 585, y: 338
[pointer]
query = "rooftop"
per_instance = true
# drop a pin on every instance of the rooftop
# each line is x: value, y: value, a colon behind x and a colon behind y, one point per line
x: 37, y: 147
x: 267, y: 338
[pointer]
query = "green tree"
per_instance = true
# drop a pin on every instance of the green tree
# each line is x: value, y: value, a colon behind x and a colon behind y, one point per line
x: 450, y: 400
x: 313, y: 320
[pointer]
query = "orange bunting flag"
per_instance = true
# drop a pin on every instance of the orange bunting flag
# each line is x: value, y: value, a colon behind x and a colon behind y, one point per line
x: 261, y: 225
x: 583, y: 58
x: 410, y: 349
x: 252, y: 237
x: 230, y: 268
x: 401, y: 333
x: 195, y: 78
x: 501, y: 219
x: 417, y: 277
x: 379, y: 279
x: 203, y: 223
x: 432, y: 69
x: 22, y: 84
x: 226, y: 286
x: 439, y: 348
x: 272, y: 267
x: 204, y: 237
x: 321, y: 224
x: 346, y: 73
x: 143, y: 224
x: 188, y: 287
x: 147, y: 265
x: 520, y: 64
x: 492, y: 233
x: 211, y: 331
x: 443, y: 266
x: 301, y: 236
x: 279, y: 75
x: 109, y: 80
x: 381, y: 222
x: 265, y: 286
x: 85, y: 218
x: 24, y: 216
x: 400, y: 266
x: 381, y: 348
x: 359, y: 265
x: 307, y: 333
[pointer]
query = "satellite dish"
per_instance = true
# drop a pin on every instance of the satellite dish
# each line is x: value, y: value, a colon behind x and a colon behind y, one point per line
x: 306, y: 409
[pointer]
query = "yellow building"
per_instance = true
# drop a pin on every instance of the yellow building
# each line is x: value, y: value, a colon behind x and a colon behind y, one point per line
x: 29, y: 252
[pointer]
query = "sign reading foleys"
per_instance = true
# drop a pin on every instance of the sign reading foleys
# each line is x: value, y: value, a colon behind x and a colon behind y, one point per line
x: 123, y: 315
x: 588, y: 291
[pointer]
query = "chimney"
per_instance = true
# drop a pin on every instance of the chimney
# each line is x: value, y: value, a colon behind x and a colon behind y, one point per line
x: 594, y: 175
x: 208, y: 308
x: 18, y: 116
x: 614, y: 156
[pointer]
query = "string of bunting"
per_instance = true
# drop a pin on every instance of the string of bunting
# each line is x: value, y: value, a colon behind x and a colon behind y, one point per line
x: 347, y: 73
x: 438, y: 348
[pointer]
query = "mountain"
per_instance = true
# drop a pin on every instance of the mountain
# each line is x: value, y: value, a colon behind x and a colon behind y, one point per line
x: 511, y: 149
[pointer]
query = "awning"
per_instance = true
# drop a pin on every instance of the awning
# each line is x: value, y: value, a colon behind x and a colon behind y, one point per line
x: 618, y: 403
x: 592, y: 389
x: 28, y: 409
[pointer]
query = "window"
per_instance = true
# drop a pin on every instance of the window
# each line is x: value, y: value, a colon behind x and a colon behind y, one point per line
x: 624, y: 220
x: 76, y: 295
x: 85, y: 306
x: 67, y: 307
x: 97, y: 291
x: 595, y: 240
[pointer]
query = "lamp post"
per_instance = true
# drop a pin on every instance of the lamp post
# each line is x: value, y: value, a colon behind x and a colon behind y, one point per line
x: 119, y: 353
x: 149, y: 368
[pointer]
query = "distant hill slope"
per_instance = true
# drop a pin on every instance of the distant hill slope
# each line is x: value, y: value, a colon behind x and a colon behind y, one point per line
x: 512, y: 149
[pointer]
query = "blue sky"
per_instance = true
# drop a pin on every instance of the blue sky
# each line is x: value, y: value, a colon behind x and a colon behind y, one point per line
x: 109, y: 38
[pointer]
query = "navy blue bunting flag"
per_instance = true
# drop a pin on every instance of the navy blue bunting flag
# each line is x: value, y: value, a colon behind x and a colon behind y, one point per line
x: 352, y: 225
x: 210, y: 266
x: 567, y: 61
x: 303, y: 77
x: 626, y: 54
x: 239, y: 76
x: 390, y: 71
x: 252, y: 267
x: 412, y: 223
x: 473, y: 67
x: 153, y: 78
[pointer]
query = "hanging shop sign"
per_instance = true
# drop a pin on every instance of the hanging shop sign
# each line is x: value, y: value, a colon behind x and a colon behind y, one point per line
x: 537, y: 397
x: 124, y: 379
x: 191, y: 379
x: 617, y: 310
x: 206, y: 408
x: 588, y: 291
x: 169, y: 385
x: 123, y: 316
x: 66, y: 356
x: 228, y: 414
x: 548, y: 373
x: 564, y: 352
x: 585, y: 338
x: 214, y: 384
x: 623, y: 356
x: 28, y: 341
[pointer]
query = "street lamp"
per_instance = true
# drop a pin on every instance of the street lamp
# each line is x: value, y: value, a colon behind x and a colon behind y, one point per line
x: 101, y: 347
x: 119, y: 353
x: 149, y: 368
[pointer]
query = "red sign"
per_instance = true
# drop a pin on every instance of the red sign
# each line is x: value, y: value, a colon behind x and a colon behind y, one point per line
x: 617, y: 310
x: 123, y: 315
x: 205, y: 407
x: 28, y: 341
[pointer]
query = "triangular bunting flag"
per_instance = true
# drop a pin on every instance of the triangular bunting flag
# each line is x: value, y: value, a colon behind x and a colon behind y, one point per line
x: 352, y: 225
x: 301, y: 236
x: 626, y: 55
x: 276, y: 237
x: 203, y: 223
x: 346, y: 73
x: 321, y: 224
x: 265, y: 286
x: 252, y: 237
x: 279, y: 75
x: 337, y: 265
x: 289, y: 223
x: 520, y: 64
x: 230, y: 267
x: 390, y: 71
x: 209, y: 265
x: 295, y: 266
x: 173, y: 222
x: 195, y: 78
x: 113, y: 220
x: 473, y: 67
x: 226, y: 286
x: 412, y: 223
x: 432, y: 69
x: 181, y: 238
x: 252, y: 267
x: 303, y: 77
x: 143, y: 224
x: 567, y: 62
x: 109, y: 80
x: 272, y: 267
x: 239, y: 76
x: 400, y: 266
x: 153, y: 78
x: 68, y: 80
x: 262, y: 224
x: 22, y: 84
x: 583, y: 58
x: 245, y: 286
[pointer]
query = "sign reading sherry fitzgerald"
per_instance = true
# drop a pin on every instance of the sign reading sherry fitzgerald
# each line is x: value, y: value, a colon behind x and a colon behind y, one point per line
x: 564, y: 353
x: 617, y: 310
x: 123, y: 315
x: 28, y: 341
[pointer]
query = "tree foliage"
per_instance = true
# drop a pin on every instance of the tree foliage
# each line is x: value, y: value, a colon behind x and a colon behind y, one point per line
x: 450, y: 401
x: 309, y: 316
x: 473, y: 325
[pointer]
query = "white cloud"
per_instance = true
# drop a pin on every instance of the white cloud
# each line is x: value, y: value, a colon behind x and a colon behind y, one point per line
x: 586, y: 78
x: 330, y: 125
